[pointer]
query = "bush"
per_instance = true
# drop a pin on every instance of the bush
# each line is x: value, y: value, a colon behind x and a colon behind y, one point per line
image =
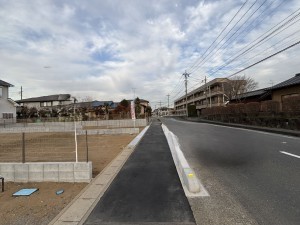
x: 291, y: 105
x: 252, y: 108
x: 240, y: 108
x: 270, y: 106
x: 231, y: 109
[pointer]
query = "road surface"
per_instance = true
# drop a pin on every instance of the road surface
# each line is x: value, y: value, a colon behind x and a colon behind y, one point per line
x: 252, y: 177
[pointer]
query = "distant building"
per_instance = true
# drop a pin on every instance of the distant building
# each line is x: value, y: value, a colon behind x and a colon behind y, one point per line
x: 144, y: 104
x: 92, y: 108
x: 7, y: 105
x: 163, y: 111
x: 207, y: 95
x: 49, y: 101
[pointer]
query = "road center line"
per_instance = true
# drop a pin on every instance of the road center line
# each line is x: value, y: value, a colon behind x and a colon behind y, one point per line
x: 290, y: 154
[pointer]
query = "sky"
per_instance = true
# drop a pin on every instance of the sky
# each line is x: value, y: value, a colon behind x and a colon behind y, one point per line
x: 121, y: 49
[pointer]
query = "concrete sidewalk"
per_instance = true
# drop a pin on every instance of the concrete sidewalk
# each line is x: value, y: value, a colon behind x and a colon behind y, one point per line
x: 77, y: 211
x: 147, y: 190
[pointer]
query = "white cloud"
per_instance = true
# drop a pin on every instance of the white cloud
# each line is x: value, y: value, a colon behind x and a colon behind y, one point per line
x: 103, y: 49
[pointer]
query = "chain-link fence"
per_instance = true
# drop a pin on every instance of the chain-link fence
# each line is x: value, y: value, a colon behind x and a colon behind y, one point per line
x: 45, y: 147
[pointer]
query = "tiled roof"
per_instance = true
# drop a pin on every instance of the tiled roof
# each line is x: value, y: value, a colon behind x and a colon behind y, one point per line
x: 101, y: 103
x: 290, y: 82
x: 5, y: 84
x: 49, y: 98
x: 252, y: 94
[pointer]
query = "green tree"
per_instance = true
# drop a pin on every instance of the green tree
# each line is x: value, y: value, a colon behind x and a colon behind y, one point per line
x: 148, y: 111
x: 124, y: 103
x: 137, y: 103
x: 123, y: 108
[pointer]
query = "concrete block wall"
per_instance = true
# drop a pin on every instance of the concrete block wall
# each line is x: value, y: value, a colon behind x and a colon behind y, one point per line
x: 110, y: 131
x: 49, y: 172
x: 69, y: 126
x: 116, y: 123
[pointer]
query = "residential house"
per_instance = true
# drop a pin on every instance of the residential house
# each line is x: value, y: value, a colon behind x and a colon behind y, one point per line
x: 7, y: 105
x: 253, y: 96
x: 279, y: 92
x: 144, y: 104
x: 50, y: 101
x: 92, y: 108
x: 163, y: 111
x: 285, y: 90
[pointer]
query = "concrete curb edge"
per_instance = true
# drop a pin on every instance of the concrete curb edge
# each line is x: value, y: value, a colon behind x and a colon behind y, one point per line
x: 189, y: 181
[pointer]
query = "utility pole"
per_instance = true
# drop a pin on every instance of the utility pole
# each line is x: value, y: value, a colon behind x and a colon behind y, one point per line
x: 159, y: 110
x: 133, y: 89
x: 209, y: 97
x: 168, y: 100
x: 186, y: 75
x: 205, y: 92
x: 21, y: 92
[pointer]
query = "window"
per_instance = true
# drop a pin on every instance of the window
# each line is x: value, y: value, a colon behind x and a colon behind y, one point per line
x: 44, y: 104
x: 7, y: 115
x: 285, y: 97
x: 0, y: 92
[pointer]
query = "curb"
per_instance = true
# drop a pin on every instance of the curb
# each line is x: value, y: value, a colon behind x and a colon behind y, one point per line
x: 78, y: 210
x: 191, y: 185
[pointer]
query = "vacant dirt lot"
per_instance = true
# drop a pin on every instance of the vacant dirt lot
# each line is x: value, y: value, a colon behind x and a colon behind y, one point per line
x: 41, y: 207
x: 60, y: 147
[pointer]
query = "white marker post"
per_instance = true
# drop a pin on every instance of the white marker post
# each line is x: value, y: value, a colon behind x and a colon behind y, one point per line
x: 75, y: 132
x: 132, y: 109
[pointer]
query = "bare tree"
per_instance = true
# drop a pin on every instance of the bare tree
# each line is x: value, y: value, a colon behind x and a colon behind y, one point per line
x: 87, y: 99
x: 238, y: 85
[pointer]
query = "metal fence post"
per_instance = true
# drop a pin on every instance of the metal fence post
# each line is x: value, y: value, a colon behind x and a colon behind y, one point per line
x: 23, y: 147
x: 87, y: 146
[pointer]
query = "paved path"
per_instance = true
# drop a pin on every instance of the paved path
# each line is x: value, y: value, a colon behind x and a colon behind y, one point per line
x: 147, y: 190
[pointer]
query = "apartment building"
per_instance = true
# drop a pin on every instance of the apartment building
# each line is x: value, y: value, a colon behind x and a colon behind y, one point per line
x: 208, y: 95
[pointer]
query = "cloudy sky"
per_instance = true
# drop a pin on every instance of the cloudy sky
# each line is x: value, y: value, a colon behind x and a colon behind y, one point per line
x: 113, y: 49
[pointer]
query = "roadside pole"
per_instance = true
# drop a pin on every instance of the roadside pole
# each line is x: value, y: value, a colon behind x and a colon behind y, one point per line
x: 75, y: 132
x: 132, y: 109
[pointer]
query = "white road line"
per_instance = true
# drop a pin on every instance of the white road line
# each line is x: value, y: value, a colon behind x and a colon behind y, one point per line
x: 290, y: 154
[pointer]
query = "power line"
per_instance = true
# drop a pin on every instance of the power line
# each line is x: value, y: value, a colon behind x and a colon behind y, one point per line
x: 260, y: 61
x: 259, y: 43
x: 200, y: 63
x: 220, y: 34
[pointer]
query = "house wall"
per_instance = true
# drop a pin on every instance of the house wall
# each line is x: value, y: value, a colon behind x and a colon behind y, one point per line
x: 38, y: 104
x: 4, y: 92
x: 32, y: 104
x: 6, y: 107
x: 277, y: 95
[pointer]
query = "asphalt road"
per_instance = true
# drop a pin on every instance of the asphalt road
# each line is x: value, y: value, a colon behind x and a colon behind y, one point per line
x: 147, y: 190
x: 248, y: 178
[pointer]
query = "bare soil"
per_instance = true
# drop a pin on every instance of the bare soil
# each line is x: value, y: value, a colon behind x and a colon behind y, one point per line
x: 42, y: 206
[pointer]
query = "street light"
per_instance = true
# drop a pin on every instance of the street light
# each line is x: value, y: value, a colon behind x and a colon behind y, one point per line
x: 75, y: 133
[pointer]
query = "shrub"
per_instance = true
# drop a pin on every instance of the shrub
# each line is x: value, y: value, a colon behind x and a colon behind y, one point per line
x: 252, y: 108
x: 291, y: 105
x: 231, y: 109
x: 240, y: 108
x: 270, y: 106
